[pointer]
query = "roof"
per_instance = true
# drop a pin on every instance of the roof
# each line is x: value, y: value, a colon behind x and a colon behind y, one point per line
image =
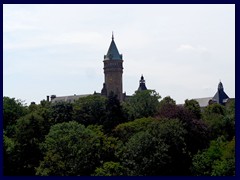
x: 113, y: 53
x: 142, y: 85
x: 71, y: 98
x: 203, y: 102
x: 220, y: 97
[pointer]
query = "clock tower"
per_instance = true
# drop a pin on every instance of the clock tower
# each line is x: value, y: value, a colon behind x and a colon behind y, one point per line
x: 113, y: 70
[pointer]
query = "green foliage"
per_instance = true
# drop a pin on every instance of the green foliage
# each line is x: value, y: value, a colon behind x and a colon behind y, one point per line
x: 8, y: 156
x: 142, y: 104
x: 90, y: 110
x: 230, y: 107
x: 70, y: 149
x: 30, y: 131
x: 193, y: 106
x: 114, y: 113
x: 61, y: 112
x: 214, y: 109
x: 165, y: 101
x: 221, y: 121
x: 159, y: 150
x: 217, y: 160
x: 166, y: 139
x: 226, y: 165
x: 110, y: 169
x: 12, y: 110
x: 125, y: 130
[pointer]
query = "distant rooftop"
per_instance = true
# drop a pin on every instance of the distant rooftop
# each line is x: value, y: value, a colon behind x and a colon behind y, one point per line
x: 203, y: 102
x: 71, y: 98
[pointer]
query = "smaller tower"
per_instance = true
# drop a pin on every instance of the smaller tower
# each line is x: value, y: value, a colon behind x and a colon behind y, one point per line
x: 142, y: 85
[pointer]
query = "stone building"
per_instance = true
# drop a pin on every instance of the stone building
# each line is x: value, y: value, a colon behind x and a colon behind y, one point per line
x: 113, y: 82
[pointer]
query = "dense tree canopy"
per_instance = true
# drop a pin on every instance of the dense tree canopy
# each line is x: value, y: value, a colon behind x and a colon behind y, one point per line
x: 217, y: 160
x: 101, y: 136
x: 220, y: 121
x: 90, y: 110
x: 142, y: 104
x: 12, y: 110
x: 71, y: 149
x: 159, y: 150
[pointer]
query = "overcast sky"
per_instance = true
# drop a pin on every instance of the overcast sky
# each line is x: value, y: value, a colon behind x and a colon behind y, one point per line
x: 182, y: 50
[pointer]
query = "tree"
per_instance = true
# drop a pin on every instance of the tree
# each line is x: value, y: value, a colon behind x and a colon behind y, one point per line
x: 221, y: 121
x: 124, y: 131
x: 12, y: 110
x: 71, y: 149
x: 193, y: 106
x: 160, y: 150
x: 226, y: 165
x: 30, y: 132
x: 61, y: 112
x: 217, y: 160
x: 197, y: 137
x: 214, y: 109
x: 165, y: 101
x: 90, y: 110
x: 142, y: 104
x: 9, y: 165
x: 110, y: 169
x: 114, y: 113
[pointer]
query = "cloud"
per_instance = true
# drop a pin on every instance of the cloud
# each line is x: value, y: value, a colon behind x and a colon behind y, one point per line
x: 53, y: 39
x: 190, y: 48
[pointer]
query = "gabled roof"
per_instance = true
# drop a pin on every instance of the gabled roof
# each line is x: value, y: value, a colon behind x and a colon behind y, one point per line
x: 113, y: 53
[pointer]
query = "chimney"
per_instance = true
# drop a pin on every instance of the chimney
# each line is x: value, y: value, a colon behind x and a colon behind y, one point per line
x: 47, y: 98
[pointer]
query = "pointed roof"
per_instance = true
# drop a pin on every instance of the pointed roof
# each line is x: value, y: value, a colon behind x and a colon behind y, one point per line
x: 113, y: 53
x: 142, y: 85
x: 220, y: 97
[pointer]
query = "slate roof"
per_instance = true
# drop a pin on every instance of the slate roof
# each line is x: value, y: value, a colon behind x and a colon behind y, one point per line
x: 142, y: 85
x: 113, y: 53
x: 70, y: 99
x: 220, y: 97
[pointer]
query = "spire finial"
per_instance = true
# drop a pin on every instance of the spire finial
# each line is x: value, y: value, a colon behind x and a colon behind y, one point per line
x: 112, y: 36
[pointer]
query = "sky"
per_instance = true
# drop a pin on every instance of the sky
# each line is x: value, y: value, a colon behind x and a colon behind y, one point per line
x: 183, y: 51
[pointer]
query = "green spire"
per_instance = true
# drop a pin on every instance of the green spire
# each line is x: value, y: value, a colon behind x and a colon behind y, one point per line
x: 113, y: 53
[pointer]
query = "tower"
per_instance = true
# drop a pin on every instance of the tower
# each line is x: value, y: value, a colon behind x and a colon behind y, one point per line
x: 113, y: 70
